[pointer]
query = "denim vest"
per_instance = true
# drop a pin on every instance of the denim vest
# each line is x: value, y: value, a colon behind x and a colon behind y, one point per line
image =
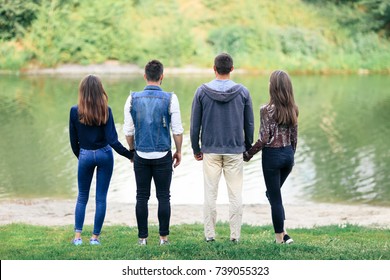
x: 150, y: 110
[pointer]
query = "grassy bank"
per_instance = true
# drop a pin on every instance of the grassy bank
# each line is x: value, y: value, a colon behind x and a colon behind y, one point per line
x: 26, y: 242
x: 300, y: 36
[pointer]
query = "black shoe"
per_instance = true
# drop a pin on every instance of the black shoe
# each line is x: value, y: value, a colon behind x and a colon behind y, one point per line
x: 287, y: 239
x: 234, y: 240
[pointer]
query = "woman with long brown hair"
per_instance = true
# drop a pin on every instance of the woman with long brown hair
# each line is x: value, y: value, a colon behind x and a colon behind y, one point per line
x: 92, y: 134
x: 278, y: 141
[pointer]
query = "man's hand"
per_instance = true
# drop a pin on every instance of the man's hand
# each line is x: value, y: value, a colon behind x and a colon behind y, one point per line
x: 246, y: 156
x: 198, y: 156
x: 176, y: 159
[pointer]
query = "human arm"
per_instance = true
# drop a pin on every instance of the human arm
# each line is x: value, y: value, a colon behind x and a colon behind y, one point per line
x: 112, y: 137
x: 264, y: 135
x: 73, y: 136
x: 195, y: 126
x: 249, y: 125
x: 257, y: 147
x: 130, y: 142
x: 178, y: 139
x: 128, y: 127
x: 177, y: 129
x: 294, y: 137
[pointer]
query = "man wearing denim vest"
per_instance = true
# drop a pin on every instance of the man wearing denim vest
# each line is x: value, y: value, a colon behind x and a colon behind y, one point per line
x: 222, y: 120
x: 149, y: 116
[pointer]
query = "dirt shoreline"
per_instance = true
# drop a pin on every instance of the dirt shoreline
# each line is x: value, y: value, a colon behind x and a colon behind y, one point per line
x: 116, y: 68
x: 51, y: 212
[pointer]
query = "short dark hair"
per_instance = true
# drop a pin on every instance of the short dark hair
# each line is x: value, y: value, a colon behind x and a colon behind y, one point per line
x: 153, y: 70
x: 223, y: 63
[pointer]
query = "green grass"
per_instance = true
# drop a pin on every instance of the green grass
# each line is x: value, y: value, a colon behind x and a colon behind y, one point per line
x: 27, y: 242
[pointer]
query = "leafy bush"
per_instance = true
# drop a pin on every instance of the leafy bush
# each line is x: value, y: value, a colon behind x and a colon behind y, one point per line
x: 330, y: 35
x: 11, y: 58
x: 295, y: 40
x: 231, y: 39
x: 16, y: 16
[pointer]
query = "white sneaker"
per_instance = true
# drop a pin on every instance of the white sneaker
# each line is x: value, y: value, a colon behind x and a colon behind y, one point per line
x: 142, y: 241
x: 164, y: 242
x: 287, y: 239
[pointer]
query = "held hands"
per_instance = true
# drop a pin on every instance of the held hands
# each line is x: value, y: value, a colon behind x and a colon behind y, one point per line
x: 198, y: 156
x: 132, y: 151
x: 246, y: 156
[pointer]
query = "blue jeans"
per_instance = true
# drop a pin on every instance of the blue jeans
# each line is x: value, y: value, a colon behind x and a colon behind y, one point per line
x: 161, y: 172
x: 103, y: 160
x: 277, y: 164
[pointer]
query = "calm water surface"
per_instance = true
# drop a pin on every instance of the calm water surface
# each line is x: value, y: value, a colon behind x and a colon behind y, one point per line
x: 342, y: 156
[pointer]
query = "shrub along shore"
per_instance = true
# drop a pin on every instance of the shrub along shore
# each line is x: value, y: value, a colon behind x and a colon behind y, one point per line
x: 300, y: 36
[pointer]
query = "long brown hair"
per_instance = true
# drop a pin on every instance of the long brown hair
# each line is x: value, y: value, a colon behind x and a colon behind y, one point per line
x: 282, y: 97
x: 93, y: 101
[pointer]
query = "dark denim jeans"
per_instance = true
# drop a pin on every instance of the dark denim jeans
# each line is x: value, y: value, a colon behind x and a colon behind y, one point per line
x: 161, y: 172
x: 277, y: 164
x: 103, y: 160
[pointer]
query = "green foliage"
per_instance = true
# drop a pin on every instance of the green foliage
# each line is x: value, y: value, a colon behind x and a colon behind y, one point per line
x: 231, y: 39
x: 173, y: 45
x: 379, y: 11
x: 70, y: 31
x: 16, y: 16
x: 359, y: 15
x: 299, y: 36
x: 11, y: 58
x: 213, y: 4
x: 120, y: 243
x: 295, y: 40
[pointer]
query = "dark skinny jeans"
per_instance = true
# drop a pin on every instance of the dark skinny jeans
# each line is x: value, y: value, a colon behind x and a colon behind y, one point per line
x: 101, y: 160
x: 277, y: 164
x: 161, y: 172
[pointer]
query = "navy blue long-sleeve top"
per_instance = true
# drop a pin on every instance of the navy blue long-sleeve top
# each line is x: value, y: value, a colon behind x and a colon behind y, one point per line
x: 94, y: 137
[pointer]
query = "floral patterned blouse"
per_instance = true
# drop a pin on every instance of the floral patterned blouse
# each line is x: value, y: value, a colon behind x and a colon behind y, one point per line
x: 272, y: 134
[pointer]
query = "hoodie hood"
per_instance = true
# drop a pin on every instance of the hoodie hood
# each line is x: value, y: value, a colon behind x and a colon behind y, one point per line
x: 224, y: 96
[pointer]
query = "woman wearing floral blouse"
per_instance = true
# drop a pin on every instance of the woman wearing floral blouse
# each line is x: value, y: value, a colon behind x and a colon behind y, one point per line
x: 278, y: 141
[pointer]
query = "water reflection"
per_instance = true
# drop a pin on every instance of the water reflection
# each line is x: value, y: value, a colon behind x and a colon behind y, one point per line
x: 342, y: 152
x: 346, y: 127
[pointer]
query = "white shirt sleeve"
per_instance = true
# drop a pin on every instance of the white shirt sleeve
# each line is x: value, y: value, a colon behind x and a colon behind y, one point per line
x: 128, y: 127
x: 177, y: 127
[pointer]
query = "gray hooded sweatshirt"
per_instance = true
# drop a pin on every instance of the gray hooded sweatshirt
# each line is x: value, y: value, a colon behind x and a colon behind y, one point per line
x: 222, y: 120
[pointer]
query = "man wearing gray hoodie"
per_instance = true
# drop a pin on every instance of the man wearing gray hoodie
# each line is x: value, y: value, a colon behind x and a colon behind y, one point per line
x: 222, y: 121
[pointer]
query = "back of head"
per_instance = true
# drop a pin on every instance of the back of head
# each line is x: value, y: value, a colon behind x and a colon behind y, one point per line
x: 153, y: 70
x: 223, y: 63
x: 93, y: 101
x: 282, y: 97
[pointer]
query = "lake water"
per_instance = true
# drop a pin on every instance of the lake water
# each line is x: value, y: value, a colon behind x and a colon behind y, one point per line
x: 343, y: 150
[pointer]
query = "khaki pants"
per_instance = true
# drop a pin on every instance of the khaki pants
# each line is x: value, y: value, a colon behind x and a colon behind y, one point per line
x: 232, y: 166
